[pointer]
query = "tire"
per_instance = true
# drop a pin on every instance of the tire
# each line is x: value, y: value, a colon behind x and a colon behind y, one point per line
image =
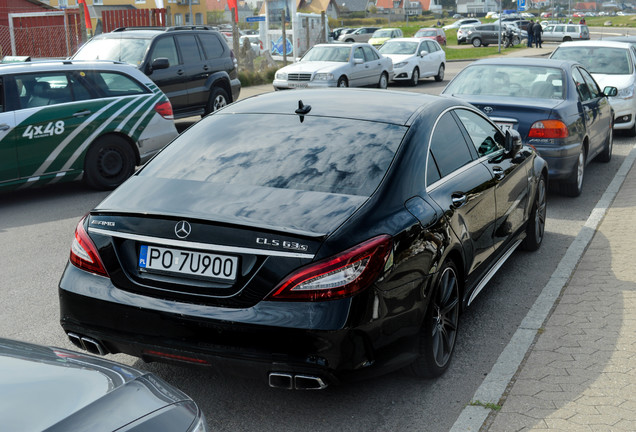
x: 384, y: 81
x: 567, y: 39
x: 631, y: 131
x: 439, y: 329
x: 109, y: 161
x: 536, y: 221
x: 440, y: 73
x: 574, y: 185
x: 415, y: 77
x: 218, y: 99
x: 349, y: 40
x: 476, y: 42
x: 606, y: 154
x: 516, y: 41
x: 343, y: 82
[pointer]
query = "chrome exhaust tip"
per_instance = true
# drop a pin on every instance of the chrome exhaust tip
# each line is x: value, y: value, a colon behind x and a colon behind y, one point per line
x: 306, y: 382
x: 281, y: 380
x: 93, y: 346
x: 75, y: 340
x: 288, y: 381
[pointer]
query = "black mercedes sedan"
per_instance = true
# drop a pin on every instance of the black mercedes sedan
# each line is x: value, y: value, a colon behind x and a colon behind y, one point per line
x: 57, y: 390
x: 307, y: 237
x: 555, y: 105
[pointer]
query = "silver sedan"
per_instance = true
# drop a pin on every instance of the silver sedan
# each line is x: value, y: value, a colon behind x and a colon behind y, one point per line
x: 337, y: 65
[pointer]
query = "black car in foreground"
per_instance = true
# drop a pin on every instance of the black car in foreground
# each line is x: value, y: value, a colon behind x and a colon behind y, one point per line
x: 57, y: 390
x: 307, y: 237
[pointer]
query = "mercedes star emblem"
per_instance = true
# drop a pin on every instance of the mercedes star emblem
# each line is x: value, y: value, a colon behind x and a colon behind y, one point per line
x: 182, y: 229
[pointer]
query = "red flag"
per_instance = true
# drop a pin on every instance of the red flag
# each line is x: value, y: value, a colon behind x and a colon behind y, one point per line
x: 87, y: 15
x: 231, y: 4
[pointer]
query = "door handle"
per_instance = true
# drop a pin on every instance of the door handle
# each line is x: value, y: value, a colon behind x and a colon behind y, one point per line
x: 82, y: 113
x: 458, y: 199
x: 498, y: 172
x: 4, y: 127
x: 180, y: 72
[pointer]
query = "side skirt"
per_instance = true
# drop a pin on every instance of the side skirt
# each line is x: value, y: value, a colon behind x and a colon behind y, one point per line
x: 493, y: 270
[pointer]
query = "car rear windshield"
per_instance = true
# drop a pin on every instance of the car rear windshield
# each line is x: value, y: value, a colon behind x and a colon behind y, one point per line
x: 600, y: 60
x: 309, y: 153
x: 129, y: 50
x: 509, y: 80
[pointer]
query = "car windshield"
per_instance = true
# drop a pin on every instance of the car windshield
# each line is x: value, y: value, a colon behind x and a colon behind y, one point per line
x: 509, y: 80
x: 600, y: 60
x: 328, y: 53
x: 426, y: 33
x: 399, y: 47
x: 324, y: 154
x: 382, y: 33
x: 129, y: 50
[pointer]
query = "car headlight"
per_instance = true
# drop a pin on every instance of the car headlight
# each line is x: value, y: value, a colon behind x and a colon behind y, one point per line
x: 626, y: 93
x: 400, y: 64
x: 323, y: 77
x: 281, y: 76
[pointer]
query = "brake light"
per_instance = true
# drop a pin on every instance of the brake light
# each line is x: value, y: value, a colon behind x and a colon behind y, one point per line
x: 548, y: 129
x: 340, y: 276
x: 165, y: 110
x: 84, y: 254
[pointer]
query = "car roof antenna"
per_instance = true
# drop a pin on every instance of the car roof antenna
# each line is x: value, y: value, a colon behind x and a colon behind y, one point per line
x: 302, y: 110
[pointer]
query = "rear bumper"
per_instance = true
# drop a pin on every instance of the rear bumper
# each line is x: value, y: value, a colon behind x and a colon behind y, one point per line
x: 255, y: 342
x: 561, y: 159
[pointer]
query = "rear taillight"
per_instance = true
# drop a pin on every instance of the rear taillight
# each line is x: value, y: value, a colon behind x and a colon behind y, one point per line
x: 340, y: 276
x: 548, y: 129
x: 165, y: 110
x: 84, y: 254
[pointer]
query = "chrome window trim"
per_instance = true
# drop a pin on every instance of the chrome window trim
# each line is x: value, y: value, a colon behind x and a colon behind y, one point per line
x: 196, y: 245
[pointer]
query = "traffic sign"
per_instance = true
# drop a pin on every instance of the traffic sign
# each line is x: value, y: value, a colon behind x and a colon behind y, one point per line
x: 521, y: 5
x: 257, y: 18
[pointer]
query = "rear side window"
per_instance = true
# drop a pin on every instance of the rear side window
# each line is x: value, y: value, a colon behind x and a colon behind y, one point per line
x: 318, y: 154
x: 212, y: 46
x: 189, y: 48
x: 448, y: 151
x: 129, y: 50
x: 112, y: 84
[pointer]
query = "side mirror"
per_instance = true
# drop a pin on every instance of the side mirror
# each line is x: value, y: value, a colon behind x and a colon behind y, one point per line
x: 159, y: 63
x: 610, y: 91
x: 513, y: 142
x: 358, y: 61
x: 423, y: 53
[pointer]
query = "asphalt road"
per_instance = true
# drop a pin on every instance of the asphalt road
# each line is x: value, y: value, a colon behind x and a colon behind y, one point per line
x: 36, y: 230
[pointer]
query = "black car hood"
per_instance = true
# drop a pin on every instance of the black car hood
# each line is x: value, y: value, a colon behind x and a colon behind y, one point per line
x: 42, y: 388
x: 286, y: 210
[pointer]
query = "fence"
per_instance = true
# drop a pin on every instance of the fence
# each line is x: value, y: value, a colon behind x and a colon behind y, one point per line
x: 113, y: 19
x: 41, y: 34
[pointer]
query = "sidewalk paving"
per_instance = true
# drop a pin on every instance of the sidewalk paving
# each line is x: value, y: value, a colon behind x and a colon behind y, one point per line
x: 580, y: 375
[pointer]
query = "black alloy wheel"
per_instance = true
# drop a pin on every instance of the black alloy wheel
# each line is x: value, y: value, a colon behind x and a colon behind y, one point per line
x: 536, y: 221
x: 439, y: 330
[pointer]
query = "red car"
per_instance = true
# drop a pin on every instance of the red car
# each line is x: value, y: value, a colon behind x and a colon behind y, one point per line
x: 432, y: 33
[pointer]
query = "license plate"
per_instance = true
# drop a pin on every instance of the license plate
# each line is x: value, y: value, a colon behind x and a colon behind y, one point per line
x: 183, y: 262
x: 505, y: 126
x: 297, y: 85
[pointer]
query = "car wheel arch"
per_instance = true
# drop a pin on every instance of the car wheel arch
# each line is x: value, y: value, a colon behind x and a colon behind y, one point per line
x: 220, y: 79
x: 133, y: 145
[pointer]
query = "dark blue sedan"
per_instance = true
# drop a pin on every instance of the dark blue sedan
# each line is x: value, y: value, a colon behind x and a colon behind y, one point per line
x: 555, y: 105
